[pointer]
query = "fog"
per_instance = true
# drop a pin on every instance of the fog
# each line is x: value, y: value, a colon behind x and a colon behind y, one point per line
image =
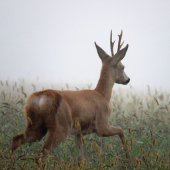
x: 53, y: 40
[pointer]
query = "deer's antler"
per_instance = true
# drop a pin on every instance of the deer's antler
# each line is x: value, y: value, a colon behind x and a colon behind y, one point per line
x: 111, y: 44
x: 119, y: 43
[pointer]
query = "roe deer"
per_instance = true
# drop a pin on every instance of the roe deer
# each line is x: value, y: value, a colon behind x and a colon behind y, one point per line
x: 75, y: 112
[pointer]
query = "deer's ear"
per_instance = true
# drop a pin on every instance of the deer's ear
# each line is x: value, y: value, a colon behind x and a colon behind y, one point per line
x: 119, y: 56
x: 102, y: 54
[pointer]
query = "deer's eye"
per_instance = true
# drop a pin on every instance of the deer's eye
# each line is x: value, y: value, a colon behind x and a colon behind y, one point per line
x: 123, y: 67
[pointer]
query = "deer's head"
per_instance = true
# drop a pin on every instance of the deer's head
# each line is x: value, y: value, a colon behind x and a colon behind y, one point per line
x: 113, y: 62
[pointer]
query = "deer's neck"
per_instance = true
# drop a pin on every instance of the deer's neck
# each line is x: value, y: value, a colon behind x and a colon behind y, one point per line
x: 106, y: 82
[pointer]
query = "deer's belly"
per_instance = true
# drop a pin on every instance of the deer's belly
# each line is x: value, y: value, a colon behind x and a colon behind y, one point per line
x: 83, y: 128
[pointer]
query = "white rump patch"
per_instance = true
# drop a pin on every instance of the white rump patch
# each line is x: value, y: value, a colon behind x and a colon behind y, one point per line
x: 41, y: 101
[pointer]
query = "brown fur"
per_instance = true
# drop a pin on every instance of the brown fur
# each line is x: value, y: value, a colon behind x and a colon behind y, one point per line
x: 74, y: 112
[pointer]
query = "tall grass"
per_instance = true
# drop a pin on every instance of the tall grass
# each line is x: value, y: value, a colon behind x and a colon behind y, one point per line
x: 144, y: 118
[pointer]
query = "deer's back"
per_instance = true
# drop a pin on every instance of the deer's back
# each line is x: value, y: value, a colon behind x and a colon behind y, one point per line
x: 84, y: 101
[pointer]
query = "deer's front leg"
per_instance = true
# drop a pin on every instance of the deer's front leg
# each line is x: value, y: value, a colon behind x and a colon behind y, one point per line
x: 79, y: 145
x: 105, y: 131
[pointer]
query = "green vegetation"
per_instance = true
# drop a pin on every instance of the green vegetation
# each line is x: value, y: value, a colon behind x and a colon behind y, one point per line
x: 144, y: 117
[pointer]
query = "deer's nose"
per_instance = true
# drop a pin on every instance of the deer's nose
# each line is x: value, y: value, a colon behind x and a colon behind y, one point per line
x: 127, y: 81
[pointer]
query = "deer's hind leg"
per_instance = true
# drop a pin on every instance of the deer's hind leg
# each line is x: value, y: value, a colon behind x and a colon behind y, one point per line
x: 59, y: 127
x: 54, y: 139
x: 34, y: 132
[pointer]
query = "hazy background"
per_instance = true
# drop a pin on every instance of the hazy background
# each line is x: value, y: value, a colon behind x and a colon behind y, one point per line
x: 54, y: 40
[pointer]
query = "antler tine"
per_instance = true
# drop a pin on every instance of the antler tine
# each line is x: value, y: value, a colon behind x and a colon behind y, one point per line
x: 119, y: 43
x: 111, y: 44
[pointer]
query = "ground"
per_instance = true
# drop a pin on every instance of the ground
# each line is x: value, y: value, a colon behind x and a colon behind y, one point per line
x: 144, y: 118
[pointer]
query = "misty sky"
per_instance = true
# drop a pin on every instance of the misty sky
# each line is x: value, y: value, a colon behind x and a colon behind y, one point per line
x: 54, y: 40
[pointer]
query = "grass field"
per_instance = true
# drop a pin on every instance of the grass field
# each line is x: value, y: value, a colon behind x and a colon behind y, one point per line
x: 144, y: 117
